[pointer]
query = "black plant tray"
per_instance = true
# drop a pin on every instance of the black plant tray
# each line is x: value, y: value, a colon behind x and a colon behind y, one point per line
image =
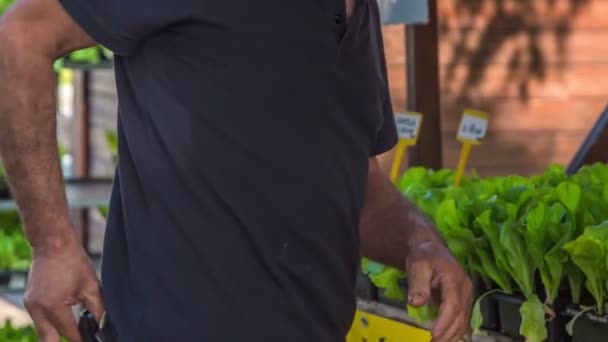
x: 510, y: 319
x: 365, y: 289
x: 588, y: 327
x: 489, y: 312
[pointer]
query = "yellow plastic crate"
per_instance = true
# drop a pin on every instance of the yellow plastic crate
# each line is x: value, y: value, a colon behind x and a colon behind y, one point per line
x: 372, y: 328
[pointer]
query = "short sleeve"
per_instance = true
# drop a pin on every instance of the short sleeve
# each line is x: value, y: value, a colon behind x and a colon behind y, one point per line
x: 120, y: 25
x: 386, y: 137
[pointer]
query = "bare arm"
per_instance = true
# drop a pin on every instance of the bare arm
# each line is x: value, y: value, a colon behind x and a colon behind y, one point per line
x: 391, y: 225
x: 394, y: 232
x: 33, y: 33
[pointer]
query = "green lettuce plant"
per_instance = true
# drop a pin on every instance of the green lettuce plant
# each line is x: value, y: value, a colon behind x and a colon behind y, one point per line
x: 15, y: 251
x: 10, y: 333
x: 590, y: 253
x: 388, y: 279
x: 508, y: 230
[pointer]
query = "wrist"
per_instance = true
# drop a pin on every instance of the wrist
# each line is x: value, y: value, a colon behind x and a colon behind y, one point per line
x: 425, y: 235
x: 55, y: 242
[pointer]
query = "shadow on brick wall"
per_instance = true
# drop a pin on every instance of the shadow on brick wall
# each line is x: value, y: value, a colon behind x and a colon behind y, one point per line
x: 500, y: 56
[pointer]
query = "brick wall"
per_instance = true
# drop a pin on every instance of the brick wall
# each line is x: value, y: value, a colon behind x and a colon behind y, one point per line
x: 539, y: 67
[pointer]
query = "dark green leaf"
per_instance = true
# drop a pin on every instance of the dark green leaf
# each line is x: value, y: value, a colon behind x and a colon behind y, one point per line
x: 588, y: 253
x: 520, y: 264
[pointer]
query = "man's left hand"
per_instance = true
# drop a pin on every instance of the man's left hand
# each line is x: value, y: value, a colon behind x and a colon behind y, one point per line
x: 434, y: 274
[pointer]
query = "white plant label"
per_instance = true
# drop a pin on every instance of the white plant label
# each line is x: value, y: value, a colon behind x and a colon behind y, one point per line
x: 472, y: 128
x: 408, y: 126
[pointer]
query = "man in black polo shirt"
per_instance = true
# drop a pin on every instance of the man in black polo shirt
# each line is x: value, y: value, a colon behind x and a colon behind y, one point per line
x: 247, y: 184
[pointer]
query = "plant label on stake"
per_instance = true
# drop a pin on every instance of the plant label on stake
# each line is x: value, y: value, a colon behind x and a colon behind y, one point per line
x: 408, y: 129
x: 472, y: 130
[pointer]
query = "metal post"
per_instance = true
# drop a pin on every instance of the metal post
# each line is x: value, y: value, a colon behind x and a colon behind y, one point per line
x: 423, y: 92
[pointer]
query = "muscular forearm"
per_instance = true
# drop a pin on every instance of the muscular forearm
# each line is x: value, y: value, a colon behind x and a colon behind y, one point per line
x: 391, y: 225
x: 28, y: 144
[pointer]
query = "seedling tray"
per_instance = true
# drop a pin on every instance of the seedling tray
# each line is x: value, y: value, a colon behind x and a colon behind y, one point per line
x: 510, y: 319
x: 589, y: 327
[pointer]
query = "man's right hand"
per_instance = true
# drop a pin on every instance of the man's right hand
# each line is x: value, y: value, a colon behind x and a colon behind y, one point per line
x: 33, y: 34
x: 60, y: 278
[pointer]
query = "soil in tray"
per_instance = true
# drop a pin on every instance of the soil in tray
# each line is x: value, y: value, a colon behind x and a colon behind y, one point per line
x: 589, y: 327
x: 510, y: 319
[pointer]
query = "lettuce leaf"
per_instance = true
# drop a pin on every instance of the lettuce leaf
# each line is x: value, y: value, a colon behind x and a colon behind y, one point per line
x: 533, y: 320
x: 520, y: 264
x: 588, y: 252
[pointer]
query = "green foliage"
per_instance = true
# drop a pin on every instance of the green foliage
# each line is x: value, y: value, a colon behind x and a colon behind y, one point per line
x: 15, y: 251
x: 590, y: 253
x: 4, y: 5
x: 10, y: 333
x: 508, y: 230
x: 112, y: 142
x: 2, y: 176
x: 89, y: 55
x: 423, y: 314
x: 384, y: 277
x: 388, y: 279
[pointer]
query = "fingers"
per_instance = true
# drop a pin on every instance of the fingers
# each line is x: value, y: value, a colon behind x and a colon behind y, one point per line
x: 420, y: 274
x: 66, y: 324
x: 433, y: 270
x: 448, y: 312
x: 455, y: 333
x: 452, y: 321
x: 51, y: 323
x: 45, y: 330
x: 93, y: 301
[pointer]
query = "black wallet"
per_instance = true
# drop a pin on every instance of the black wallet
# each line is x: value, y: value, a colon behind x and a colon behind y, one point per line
x: 88, y: 327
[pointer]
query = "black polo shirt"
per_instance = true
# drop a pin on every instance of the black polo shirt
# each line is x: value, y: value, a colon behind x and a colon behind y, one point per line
x: 245, y: 129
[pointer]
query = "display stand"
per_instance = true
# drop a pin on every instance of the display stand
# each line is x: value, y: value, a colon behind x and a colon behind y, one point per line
x: 378, y: 322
